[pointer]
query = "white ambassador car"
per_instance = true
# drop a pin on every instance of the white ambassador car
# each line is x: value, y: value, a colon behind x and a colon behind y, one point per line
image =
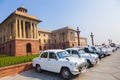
x: 92, y: 59
x: 59, y: 61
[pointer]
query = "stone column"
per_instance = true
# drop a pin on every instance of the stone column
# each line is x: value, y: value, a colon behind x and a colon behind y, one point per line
x: 31, y: 28
x: 34, y: 31
x: 20, y: 29
x: 24, y: 35
x: 16, y: 29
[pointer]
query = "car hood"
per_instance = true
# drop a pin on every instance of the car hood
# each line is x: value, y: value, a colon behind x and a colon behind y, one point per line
x: 76, y: 60
x: 92, y: 55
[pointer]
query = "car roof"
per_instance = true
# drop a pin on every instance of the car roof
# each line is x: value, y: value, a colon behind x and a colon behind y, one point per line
x: 53, y: 50
x: 74, y: 48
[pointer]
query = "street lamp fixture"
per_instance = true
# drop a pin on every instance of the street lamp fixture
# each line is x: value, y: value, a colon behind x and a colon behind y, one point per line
x: 109, y: 41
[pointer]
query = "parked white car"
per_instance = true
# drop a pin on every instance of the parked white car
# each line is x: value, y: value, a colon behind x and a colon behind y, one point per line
x: 59, y: 61
x: 105, y: 51
x: 109, y: 49
x: 92, y: 59
x: 118, y: 46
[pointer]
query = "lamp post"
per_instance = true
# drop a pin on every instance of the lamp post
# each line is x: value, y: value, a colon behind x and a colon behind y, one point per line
x: 92, y: 38
x: 109, y: 41
x: 78, y: 35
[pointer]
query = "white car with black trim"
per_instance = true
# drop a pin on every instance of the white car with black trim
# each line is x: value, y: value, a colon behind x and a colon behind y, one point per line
x: 59, y: 61
x: 92, y: 59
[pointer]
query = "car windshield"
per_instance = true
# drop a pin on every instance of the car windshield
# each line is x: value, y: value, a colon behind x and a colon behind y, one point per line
x: 81, y: 51
x: 98, y: 49
x: 63, y: 54
x: 91, y: 50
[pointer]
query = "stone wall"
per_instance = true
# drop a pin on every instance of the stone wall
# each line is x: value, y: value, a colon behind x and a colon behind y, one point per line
x: 21, y: 47
x: 13, y: 69
x: 8, y: 48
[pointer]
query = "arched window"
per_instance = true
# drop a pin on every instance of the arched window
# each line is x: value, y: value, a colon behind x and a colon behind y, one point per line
x: 72, y: 44
x: 40, y: 48
x: 28, y: 48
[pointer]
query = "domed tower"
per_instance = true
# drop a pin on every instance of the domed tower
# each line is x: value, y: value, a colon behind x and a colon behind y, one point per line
x: 22, y: 9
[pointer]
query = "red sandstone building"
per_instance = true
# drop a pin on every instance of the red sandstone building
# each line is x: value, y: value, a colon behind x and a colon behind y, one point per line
x: 20, y: 35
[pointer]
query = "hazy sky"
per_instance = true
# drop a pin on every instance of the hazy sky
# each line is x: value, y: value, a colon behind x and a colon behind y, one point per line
x: 102, y: 17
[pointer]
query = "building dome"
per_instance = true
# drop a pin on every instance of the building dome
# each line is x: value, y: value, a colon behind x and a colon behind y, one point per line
x: 22, y: 9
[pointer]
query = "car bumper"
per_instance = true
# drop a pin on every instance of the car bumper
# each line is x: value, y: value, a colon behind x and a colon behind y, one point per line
x: 75, y: 72
x: 96, y: 61
x: 108, y: 53
x: 81, y: 69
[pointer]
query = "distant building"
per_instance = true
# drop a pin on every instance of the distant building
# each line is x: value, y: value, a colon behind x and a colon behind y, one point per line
x: 20, y: 35
x: 59, y: 39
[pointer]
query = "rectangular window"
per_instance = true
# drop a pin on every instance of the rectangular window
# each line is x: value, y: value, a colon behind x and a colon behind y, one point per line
x: 4, y: 38
x: 44, y: 41
x: 55, y: 40
x: 39, y: 40
x: 44, y: 34
x: 49, y: 41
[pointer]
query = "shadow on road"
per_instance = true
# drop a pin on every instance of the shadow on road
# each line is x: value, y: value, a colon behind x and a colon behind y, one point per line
x: 44, y: 75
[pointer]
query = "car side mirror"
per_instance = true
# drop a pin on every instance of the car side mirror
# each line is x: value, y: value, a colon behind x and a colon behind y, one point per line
x: 56, y: 58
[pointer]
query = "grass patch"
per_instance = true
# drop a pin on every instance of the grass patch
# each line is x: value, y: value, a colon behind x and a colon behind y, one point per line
x: 11, y: 60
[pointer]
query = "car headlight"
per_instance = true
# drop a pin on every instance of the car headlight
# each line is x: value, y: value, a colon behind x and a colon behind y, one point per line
x: 76, y: 66
x: 93, y: 57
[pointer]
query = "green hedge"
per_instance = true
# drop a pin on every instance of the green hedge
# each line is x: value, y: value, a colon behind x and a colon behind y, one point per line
x: 11, y: 60
x: 3, y: 55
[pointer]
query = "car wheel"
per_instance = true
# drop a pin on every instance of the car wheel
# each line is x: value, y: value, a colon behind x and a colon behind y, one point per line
x: 89, y: 64
x: 108, y: 54
x: 66, y: 73
x: 104, y: 55
x: 38, y: 68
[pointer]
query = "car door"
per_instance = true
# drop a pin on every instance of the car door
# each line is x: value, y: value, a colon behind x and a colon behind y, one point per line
x: 44, y: 60
x: 53, y: 62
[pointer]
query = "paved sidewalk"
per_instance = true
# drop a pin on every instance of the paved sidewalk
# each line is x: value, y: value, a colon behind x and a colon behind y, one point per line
x: 107, y: 69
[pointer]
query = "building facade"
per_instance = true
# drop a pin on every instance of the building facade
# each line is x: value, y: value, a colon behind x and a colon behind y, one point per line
x: 59, y: 39
x: 20, y: 35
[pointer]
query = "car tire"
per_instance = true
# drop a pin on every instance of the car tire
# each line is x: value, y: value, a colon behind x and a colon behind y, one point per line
x: 89, y: 64
x: 108, y: 54
x: 104, y: 55
x: 38, y: 68
x: 65, y: 72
